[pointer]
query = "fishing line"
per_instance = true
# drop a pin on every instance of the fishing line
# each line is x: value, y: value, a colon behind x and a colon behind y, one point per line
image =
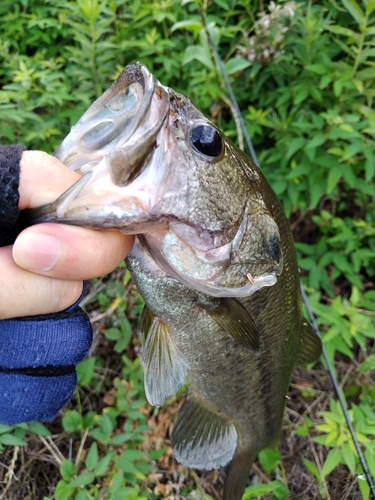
x: 250, y: 147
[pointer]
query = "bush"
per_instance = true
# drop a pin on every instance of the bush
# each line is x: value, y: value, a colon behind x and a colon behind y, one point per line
x: 303, y: 74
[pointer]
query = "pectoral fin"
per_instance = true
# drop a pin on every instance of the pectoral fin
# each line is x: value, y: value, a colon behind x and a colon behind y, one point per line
x: 202, y: 438
x: 235, y: 320
x: 164, y: 365
x: 310, y: 347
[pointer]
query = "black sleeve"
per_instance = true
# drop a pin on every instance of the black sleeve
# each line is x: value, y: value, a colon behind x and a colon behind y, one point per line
x: 10, y: 157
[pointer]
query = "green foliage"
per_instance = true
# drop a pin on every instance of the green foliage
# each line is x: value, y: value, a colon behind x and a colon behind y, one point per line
x: 336, y: 436
x: 120, y: 335
x: 277, y: 488
x: 347, y: 322
x: 270, y: 460
x: 14, y: 435
x: 304, y: 77
x: 113, y: 450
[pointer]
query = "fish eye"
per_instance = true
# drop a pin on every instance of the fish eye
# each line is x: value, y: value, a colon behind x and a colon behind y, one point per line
x: 206, y: 140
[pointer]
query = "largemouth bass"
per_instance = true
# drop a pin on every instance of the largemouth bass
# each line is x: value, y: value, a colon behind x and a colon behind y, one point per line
x: 213, y: 259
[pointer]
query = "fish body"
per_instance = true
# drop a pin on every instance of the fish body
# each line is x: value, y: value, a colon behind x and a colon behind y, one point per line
x: 214, y: 261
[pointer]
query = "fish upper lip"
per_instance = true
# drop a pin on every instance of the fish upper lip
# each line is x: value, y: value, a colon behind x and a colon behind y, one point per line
x: 114, y: 119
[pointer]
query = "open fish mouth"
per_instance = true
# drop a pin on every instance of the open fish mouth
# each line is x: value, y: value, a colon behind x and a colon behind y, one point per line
x: 111, y: 146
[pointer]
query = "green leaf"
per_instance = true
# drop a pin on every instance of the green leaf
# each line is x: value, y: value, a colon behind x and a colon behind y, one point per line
x: 258, y: 490
x: 317, y: 190
x: 121, y: 344
x: 199, y: 53
x: 92, y: 456
x: 11, y: 440
x: 356, y: 11
x: 370, y: 459
x: 311, y: 467
x: 155, y: 454
x: 236, y: 64
x: 83, y: 495
x: 103, y: 464
x: 301, y: 96
x: 133, y: 454
x: 122, y: 438
x: 67, y: 470
x: 316, y: 94
x: 5, y: 428
x: 334, y: 175
x: 337, y: 87
x: 116, y: 482
x: 339, y: 30
x: 62, y: 492
x: 294, y: 146
x: 126, y: 327
x: 82, y: 480
x: 269, y: 458
x: 113, y: 333
x: 127, y: 466
x: 359, y: 85
x: 106, y: 424
x: 332, y: 460
x: 320, y: 439
x: 223, y: 4
x: 352, y: 150
x: 335, y: 151
x: 369, y: 170
x: 319, y: 69
x: 368, y: 364
x: 363, y: 486
x: 316, y: 141
x: 85, y: 370
x: 39, y: 428
x: 72, y: 421
x: 192, y: 24
x: 349, y: 458
x: 325, y: 81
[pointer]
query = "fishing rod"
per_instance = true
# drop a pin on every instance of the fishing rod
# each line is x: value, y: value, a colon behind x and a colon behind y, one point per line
x: 254, y: 157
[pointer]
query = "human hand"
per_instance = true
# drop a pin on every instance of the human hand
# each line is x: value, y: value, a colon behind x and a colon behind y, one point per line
x: 42, y: 273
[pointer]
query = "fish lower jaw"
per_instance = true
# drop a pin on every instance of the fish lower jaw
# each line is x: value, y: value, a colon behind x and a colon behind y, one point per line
x: 216, y: 290
x: 256, y: 284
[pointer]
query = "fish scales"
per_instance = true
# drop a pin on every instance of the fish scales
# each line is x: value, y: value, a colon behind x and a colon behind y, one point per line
x: 213, y: 259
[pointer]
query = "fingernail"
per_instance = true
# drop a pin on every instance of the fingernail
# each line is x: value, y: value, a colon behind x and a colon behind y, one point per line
x: 35, y: 251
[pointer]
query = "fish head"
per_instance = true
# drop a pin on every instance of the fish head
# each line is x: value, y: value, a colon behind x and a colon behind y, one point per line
x: 153, y: 165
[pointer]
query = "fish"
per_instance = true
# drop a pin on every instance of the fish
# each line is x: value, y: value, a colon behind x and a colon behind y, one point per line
x: 213, y: 259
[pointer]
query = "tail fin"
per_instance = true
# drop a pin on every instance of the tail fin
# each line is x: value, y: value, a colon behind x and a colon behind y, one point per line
x: 238, y: 474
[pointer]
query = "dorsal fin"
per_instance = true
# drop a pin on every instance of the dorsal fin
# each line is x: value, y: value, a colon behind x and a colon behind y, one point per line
x: 202, y: 438
x: 310, y: 347
x: 232, y: 317
x: 165, y: 366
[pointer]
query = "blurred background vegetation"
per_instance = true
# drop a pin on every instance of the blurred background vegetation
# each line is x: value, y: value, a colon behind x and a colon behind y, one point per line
x: 303, y: 73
